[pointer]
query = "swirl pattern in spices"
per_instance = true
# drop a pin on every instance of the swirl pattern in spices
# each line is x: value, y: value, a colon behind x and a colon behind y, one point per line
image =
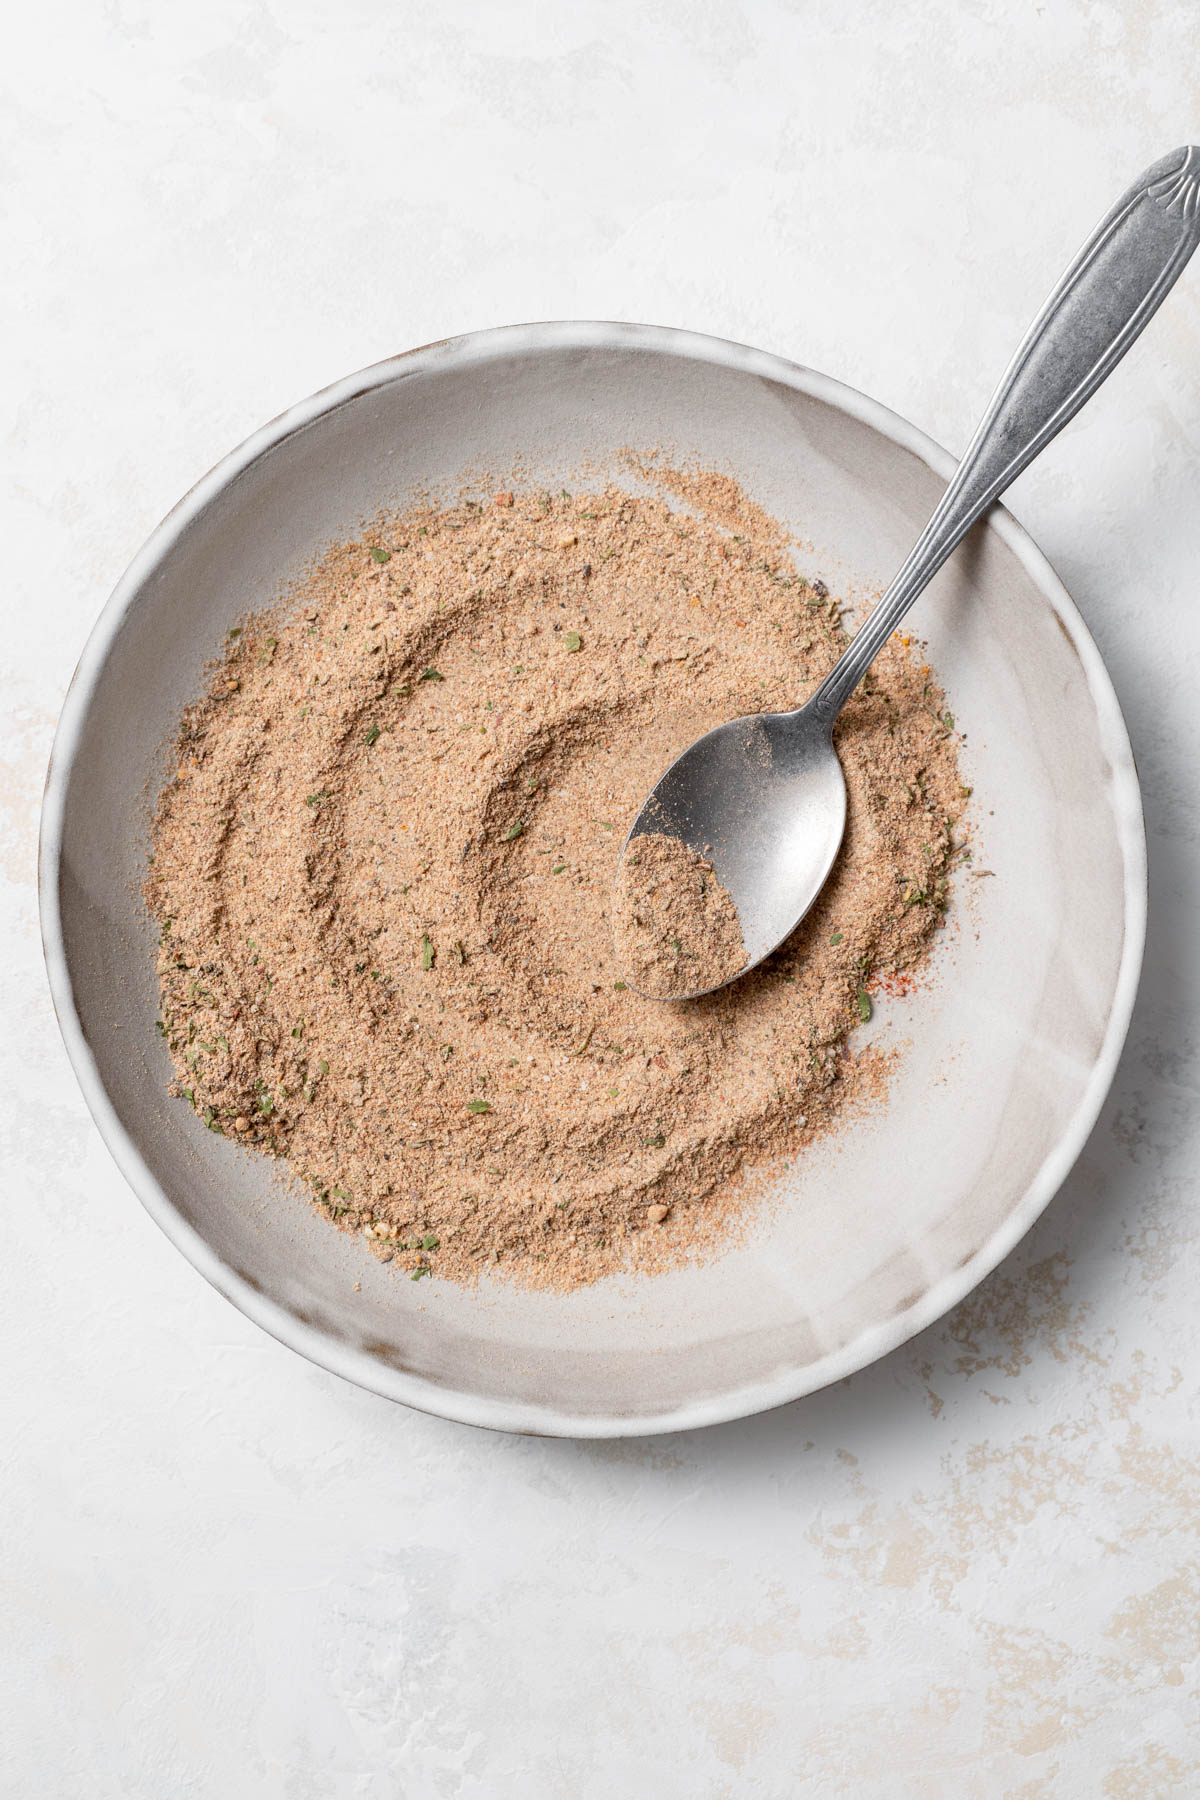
x: 383, y: 876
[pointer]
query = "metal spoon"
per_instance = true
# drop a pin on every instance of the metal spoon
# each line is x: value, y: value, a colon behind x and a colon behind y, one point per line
x: 763, y: 798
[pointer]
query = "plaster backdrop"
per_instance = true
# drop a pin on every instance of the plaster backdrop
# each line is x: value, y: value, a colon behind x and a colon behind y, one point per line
x: 972, y: 1570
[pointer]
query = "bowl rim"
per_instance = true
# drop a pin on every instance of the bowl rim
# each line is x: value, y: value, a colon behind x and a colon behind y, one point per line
x: 358, y: 1366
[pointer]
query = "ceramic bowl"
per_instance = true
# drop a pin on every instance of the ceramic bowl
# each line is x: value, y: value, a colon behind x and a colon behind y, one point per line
x: 1011, y: 1046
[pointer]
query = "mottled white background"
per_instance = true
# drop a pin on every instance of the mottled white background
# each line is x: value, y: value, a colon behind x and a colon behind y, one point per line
x: 972, y: 1570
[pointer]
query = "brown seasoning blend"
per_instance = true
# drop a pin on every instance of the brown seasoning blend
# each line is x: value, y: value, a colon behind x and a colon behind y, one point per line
x: 383, y: 875
x: 676, y: 930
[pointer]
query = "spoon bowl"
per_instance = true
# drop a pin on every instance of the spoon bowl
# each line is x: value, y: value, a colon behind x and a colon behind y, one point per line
x: 763, y: 799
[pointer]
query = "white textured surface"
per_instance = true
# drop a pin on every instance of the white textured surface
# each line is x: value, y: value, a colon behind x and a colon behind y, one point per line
x: 973, y: 1569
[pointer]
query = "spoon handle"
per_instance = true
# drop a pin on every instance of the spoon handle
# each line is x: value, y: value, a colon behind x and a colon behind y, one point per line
x: 1109, y: 293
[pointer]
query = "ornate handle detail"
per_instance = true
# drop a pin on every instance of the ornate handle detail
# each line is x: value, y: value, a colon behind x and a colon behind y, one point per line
x: 1180, y: 191
x: 1106, y: 298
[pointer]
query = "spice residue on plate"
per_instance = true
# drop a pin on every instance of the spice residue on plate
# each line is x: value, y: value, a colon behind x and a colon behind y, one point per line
x: 675, y: 928
x: 383, y: 870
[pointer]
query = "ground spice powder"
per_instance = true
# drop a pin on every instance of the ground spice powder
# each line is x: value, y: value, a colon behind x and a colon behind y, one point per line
x: 675, y: 928
x: 383, y: 872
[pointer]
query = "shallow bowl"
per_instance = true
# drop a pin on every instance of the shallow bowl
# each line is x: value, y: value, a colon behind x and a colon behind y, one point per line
x: 1011, y: 1047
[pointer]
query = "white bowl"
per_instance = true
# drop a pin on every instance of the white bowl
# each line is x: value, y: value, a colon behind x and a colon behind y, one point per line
x: 1013, y: 1045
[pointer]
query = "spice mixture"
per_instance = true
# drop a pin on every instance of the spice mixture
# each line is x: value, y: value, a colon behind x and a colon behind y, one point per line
x: 383, y: 874
x: 675, y: 928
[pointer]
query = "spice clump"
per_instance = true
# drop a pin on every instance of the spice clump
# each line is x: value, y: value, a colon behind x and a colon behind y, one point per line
x: 383, y: 877
x: 675, y: 928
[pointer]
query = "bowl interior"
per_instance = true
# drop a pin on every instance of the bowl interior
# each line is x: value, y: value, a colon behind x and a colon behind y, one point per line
x: 1010, y: 1047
